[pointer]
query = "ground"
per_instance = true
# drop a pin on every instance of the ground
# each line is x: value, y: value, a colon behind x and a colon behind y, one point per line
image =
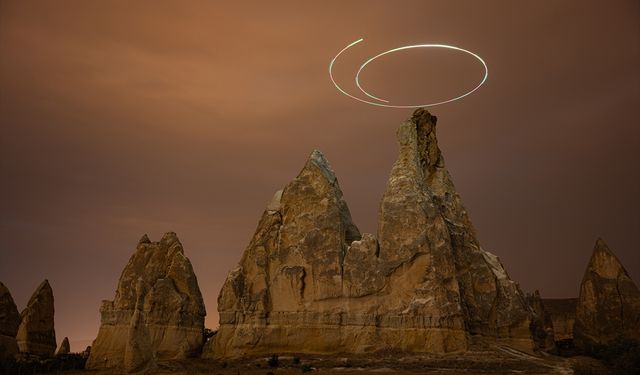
x: 499, y: 360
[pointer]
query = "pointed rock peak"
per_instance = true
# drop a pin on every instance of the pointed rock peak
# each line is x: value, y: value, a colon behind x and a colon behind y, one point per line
x: 44, y: 287
x: 423, y: 119
x: 3, y: 289
x: 9, y: 315
x: 604, y: 262
x: 64, y: 347
x: 43, y: 290
x: 428, y: 151
x: 601, y: 247
x: 170, y: 238
x: 144, y: 239
x: 318, y: 161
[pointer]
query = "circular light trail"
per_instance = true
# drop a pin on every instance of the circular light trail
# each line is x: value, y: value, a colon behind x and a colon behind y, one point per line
x: 383, y: 102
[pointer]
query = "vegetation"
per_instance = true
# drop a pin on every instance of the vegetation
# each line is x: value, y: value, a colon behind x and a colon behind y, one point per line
x: 34, y: 364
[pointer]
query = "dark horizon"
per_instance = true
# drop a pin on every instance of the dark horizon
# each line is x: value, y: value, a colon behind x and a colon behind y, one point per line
x: 120, y: 120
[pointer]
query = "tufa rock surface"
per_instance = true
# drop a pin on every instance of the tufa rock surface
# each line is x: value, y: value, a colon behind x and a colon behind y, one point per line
x: 310, y: 282
x: 9, y: 323
x: 542, y: 323
x: 64, y: 347
x: 138, y: 353
x: 609, y: 301
x: 173, y: 310
x: 36, y: 334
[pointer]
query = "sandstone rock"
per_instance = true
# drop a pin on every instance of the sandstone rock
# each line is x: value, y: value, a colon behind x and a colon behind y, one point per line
x: 609, y: 301
x: 541, y: 324
x: 138, y: 353
x: 36, y: 334
x: 173, y: 308
x: 563, y: 316
x: 493, y: 304
x: 309, y: 282
x: 9, y: 323
x: 64, y: 347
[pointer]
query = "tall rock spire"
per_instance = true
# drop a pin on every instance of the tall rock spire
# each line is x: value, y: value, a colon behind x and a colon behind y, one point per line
x: 493, y: 304
x: 310, y: 282
x: 9, y: 323
x: 36, y: 334
x: 157, y: 312
x: 609, y: 302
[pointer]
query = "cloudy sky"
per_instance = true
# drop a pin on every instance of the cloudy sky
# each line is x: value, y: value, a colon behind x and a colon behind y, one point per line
x: 121, y: 118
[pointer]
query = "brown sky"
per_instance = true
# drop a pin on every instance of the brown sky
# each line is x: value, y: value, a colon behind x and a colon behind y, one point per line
x: 122, y: 118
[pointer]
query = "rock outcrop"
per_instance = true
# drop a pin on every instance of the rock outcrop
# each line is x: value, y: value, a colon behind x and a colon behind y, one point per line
x: 563, y: 316
x: 64, y: 347
x: 9, y: 323
x: 609, y: 302
x: 173, y: 308
x: 542, y: 323
x: 138, y: 353
x: 310, y: 282
x: 36, y: 334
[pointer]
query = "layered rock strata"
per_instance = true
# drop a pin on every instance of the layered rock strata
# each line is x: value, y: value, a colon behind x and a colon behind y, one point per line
x: 36, y: 334
x: 173, y: 308
x: 609, y: 303
x: 310, y: 282
x: 9, y: 323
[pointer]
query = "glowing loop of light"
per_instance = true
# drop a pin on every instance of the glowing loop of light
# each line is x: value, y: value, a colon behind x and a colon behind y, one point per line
x: 383, y: 101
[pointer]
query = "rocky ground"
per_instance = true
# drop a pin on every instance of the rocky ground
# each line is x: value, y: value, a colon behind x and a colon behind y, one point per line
x: 498, y: 360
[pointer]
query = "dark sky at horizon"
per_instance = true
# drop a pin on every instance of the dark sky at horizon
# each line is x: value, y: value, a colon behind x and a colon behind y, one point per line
x: 125, y: 118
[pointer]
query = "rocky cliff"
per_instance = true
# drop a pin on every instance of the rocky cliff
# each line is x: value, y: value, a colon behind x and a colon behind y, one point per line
x: 36, y: 334
x: 172, y: 312
x: 609, y: 302
x: 310, y: 282
x: 9, y: 323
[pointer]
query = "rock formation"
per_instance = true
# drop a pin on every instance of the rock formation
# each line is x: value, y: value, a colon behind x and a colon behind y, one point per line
x: 542, y: 323
x: 173, y: 308
x: 36, y: 334
x: 310, y: 282
x: 138, y: 353
x: 563, y: 316
x: 9, y: 323
x: 64, y: 347
x: 609, y: 301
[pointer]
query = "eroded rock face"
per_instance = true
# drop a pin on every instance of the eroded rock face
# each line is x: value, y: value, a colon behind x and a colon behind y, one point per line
x: 138, y: 353
x: 9, y: 323
x: 36, y: 334
x: 609, y: 301
x: 173, y: 308
x: 309, y: 282
x: 542, y: 323
x: 64, y: 347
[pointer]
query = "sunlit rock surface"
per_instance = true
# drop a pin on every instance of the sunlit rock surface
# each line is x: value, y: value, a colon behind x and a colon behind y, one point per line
x: 173, y: 307
x: 36, y: 334
x: 310, y: 282
x: 609, y: 302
